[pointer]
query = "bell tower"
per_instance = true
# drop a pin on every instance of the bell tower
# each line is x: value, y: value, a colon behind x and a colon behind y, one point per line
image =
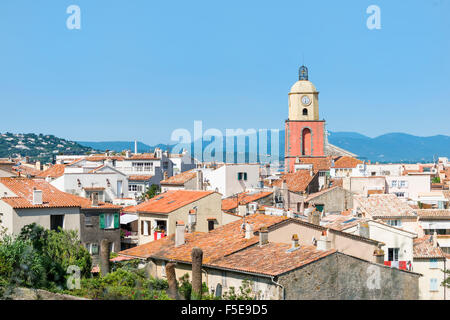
x: 304, y: 131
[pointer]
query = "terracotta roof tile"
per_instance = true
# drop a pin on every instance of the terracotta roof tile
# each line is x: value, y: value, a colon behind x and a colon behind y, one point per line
x: 346, y: 162
x: 243, y: 198
x: 296, y: 181
x: 55, y: 171
x: 87, y: 203
x: 215, y: 244
x: 181, y: 178
x: 168, y: 201
x: 423, y: 248
x: 384, y: 205
x: 319, y: 163
x: 433, y: 213
x: 23, y: 189
x: 139, y: 177
x: 271, y: 259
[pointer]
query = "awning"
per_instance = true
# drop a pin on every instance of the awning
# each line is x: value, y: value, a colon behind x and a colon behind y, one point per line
x: 127, y: 218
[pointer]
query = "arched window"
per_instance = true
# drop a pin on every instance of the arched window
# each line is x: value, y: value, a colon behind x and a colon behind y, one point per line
x: 305, y: 112
x: 306, y: 142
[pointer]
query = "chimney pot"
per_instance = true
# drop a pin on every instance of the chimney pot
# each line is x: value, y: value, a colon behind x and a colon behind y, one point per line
x: 323, y: 243
x: 248, y: 231
x: 37, y: 196
x: 179, y: 233
x: 295, y: 241
x: 263, y: 236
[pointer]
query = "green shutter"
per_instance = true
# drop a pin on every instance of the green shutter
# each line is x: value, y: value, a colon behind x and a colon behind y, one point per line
x: 116, y: 220
x: 245, y: 176
x: 102, y: 221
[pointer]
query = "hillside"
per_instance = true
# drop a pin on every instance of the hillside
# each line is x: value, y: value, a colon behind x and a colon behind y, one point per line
x: 37, y: 146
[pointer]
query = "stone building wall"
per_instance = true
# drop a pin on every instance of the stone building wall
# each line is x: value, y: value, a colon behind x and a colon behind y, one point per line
x: 343, y: 277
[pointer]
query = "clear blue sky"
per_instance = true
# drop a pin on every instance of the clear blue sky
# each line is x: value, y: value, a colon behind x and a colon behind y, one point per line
x: 139, y: 69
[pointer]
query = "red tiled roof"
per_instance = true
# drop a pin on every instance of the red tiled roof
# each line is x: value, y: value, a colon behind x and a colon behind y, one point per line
x: 139, y: 177
x: 143, y: 156
x: 271, y: 259
x: 433, y: 213
x: 384, y: 205
x: 181, y: 178
x: 243, y: 198
x: 296, y: 181
x: 346, y: 162
x: 87, y: 203
x: 55, y: 171
x: 215, y: 244
x: 168, y: 201
x: 23, y: 188
x: 423, y: 248
x: 23, y: 170
x: 319, y: 163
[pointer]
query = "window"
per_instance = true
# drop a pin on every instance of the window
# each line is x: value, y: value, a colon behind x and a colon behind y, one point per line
x: 135, y: 187
x: 394, y: 223
x: 400, y: 194
x: 210, y: 225
x: 145, y: 227
x: 109, y: 221
x: 394, y: 183
x: 92, y: 248
x: 165, y: 165
x: 402, y: 184
x: 393, y: 254
x: 433, y: 284
x: 305, y: 112
x: 56, y: 221
x: 88, y: 220
x: 242, y: 176
x: 433, y: 264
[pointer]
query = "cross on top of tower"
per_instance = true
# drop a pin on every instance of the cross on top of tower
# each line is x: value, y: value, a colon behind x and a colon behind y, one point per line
x: 303, y: 73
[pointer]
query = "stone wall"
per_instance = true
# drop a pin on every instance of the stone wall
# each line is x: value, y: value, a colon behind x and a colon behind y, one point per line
x: 343, y: 277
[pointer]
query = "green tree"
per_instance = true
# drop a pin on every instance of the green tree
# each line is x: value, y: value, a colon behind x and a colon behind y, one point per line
x: 152, y: 191
x: 436, y: 180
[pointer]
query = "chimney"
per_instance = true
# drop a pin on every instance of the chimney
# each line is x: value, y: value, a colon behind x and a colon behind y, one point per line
x: 199, y: 182
x: 37, y: 196
x: 379, y: 255
x: 127, y: 154
x: 363, y: 228
x: 263, y: 236
x: 38, y: 165
x: 94, y: 199
x: 179, y: 233
x: 248, y: 231
x: 324, y: 244
x: 242, y: 210
x: 314, y: 217
x: 192, y: 220
x: 295, y: 241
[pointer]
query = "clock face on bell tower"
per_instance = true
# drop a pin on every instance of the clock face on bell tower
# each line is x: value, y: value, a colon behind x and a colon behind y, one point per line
x: 304, y: 131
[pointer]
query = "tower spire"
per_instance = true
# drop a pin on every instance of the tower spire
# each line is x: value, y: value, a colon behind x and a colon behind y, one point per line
x: 303, y: 73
